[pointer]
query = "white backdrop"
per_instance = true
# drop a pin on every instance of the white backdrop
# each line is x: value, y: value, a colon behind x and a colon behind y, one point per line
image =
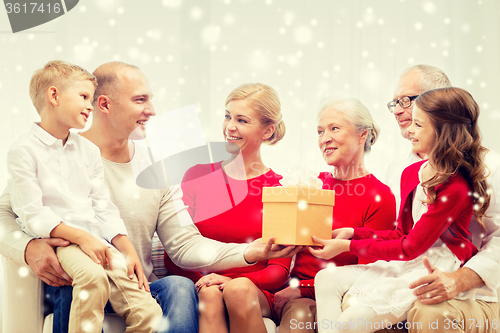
x: 196, y: 52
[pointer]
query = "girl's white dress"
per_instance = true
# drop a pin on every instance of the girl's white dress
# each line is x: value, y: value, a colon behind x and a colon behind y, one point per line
x: 384, y: 285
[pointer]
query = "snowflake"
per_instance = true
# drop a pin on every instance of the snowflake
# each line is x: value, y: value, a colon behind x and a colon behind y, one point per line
x: 87, y: 326
x: 303, y: 34
x: 23, y: 271
x: 162, y: 324
x: 174, y: 4
x: 196, y: 13
x: 228, y: 19
x: 211, y: 34
x: 330, y: 266
x: 429, y: 7
x: 83, y: 295
x: 154, y: 34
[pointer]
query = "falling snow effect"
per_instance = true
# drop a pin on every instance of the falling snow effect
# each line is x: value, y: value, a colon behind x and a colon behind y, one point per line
x: 365, y: 64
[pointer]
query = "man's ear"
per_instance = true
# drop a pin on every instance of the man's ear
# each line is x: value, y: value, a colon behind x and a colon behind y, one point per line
x: 103, y: 103
x: 269, y: 132
x: 53, y: 95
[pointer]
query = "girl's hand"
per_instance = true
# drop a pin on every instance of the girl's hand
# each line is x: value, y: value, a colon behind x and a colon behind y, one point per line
x: 330, y: 248
x: 343, y: 233
x: 211, y: 280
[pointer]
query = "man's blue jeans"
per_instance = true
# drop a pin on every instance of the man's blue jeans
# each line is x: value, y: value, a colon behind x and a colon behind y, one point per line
x: 176, y: 295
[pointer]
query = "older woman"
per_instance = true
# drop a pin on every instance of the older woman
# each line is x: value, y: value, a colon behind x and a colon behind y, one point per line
x: 346, y: 131
x: 244, y: 295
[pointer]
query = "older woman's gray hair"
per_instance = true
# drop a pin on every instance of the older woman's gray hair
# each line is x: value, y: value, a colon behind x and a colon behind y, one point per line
x: 357, y: 113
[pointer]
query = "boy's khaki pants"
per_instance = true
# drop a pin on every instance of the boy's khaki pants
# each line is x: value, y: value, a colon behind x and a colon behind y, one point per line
x: 93, y: 286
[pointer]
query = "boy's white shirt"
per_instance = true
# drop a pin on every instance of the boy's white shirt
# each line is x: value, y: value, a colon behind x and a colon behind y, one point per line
x: 50, y: 183
x: 486, y: 263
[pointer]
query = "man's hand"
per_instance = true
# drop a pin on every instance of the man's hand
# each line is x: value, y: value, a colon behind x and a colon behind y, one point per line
x: 123, y: 244
x: 212, y: 279
x: 134, y: 266
x: 42, y: 259
x: 258, y: 251
x: 282, y: 297
x: 439, y: 286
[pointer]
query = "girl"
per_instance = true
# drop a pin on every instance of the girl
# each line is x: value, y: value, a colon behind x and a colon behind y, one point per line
x: 438, y: 198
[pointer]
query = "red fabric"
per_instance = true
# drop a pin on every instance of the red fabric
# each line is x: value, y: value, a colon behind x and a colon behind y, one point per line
x: 362, y: 202
x: 230, y: 210
x: 448, y: 218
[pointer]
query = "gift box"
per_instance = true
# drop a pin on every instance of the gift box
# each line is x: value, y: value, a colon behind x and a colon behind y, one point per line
x: 293, y: 214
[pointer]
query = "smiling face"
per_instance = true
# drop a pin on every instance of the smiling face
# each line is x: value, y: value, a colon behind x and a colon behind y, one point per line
x: 408, y: 85
x: 422, y: 132
x: 242, y: 127
x: 74, y: 104
x: 132, y: 106
x: 339, y: 141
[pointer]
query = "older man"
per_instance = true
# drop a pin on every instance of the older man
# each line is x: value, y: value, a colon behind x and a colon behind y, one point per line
x: 437, y: 309
x: 122, y: 103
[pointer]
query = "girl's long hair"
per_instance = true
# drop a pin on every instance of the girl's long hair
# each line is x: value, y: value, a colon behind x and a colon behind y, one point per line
x: 454, y: 113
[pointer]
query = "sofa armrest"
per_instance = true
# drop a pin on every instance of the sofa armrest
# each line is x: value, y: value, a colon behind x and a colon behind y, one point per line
x: 22, y: 299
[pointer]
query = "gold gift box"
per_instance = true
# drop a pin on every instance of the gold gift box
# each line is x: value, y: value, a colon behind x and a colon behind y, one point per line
x: 292, y: 214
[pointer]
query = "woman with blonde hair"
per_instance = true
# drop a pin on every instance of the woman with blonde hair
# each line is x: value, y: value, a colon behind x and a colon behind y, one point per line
x: 236, y: 300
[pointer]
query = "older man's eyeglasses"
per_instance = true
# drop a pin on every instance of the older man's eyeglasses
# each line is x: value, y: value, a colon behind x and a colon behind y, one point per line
x: 404, y: 102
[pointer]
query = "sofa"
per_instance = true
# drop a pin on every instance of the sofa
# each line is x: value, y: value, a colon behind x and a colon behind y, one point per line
x: 23, y: 299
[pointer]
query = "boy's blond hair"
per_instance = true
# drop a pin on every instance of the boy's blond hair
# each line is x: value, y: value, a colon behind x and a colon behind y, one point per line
x: 56, y: 73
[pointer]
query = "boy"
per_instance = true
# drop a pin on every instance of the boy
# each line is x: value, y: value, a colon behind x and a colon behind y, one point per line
x: 57, y: 190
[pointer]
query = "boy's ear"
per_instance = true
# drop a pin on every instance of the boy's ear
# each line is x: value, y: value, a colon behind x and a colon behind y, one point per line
x: 53, y: 95
x: 103, y: 103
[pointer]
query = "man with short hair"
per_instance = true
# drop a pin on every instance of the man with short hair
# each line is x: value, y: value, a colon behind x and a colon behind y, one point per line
x: 436, y: 292
x: 122, y: 104
x: 412, y: 82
